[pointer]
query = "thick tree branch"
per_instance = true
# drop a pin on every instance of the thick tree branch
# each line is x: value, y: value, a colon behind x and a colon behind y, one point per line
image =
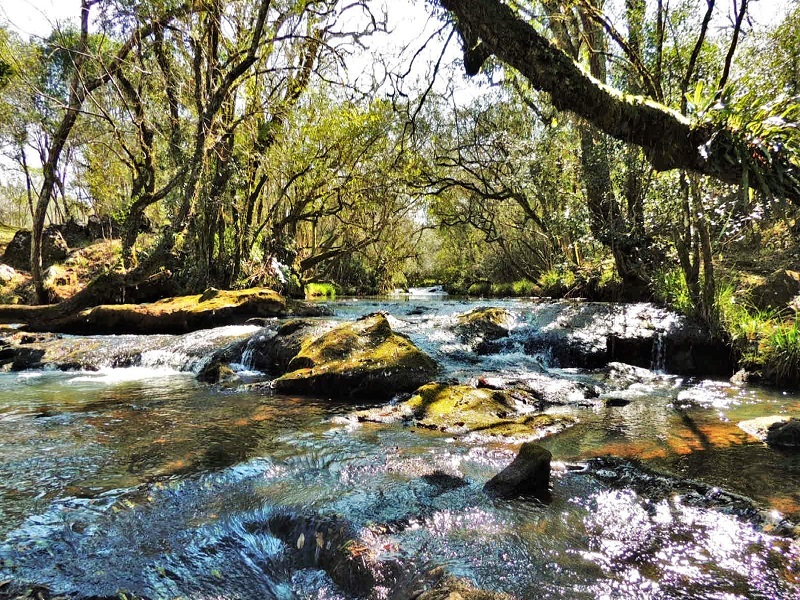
x: 669, y: 140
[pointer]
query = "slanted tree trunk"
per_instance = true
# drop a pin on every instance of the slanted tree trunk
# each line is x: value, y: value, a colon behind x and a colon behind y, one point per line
x: 79, y: 90
x: 50, y: 166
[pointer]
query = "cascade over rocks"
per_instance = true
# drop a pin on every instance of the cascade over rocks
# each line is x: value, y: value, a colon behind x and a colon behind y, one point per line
x: 196, y: 351
x: 592, y: 334
x: 364, y: 359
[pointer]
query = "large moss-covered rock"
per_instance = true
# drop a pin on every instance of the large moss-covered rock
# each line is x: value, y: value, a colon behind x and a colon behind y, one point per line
x: 363, y: 359
x: 463, y: 409
x: 181, y: 314
x: 271, y: 352
x: 18, y: 251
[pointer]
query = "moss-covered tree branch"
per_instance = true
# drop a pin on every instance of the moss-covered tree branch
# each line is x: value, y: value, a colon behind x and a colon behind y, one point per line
x: 670, y: 141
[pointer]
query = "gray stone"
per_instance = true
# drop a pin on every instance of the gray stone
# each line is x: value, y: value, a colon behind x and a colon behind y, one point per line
x: 528, y: 474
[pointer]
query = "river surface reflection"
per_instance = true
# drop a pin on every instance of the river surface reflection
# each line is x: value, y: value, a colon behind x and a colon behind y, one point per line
x: 146, y: 482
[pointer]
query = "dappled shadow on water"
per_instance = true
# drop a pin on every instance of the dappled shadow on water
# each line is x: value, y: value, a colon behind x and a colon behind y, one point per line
x: 364, y: 512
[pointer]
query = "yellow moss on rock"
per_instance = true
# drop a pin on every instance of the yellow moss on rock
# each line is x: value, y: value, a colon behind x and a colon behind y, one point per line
x: 463, y: 409
x: 360, y: 359
x: 487, y: 323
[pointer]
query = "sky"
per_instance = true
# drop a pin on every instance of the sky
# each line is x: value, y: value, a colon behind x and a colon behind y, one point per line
x: 35, y: 17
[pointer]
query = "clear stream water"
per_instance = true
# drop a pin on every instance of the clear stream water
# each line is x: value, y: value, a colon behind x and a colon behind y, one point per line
x: 143, y: 482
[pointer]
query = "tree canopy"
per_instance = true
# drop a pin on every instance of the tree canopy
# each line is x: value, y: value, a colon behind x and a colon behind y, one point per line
x: 601, y: 145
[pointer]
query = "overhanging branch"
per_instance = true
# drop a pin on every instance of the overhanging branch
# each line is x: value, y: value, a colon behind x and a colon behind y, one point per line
x: 669, y: 140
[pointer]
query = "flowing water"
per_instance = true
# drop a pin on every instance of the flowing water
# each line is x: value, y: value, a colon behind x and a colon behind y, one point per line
x: 144, y: 482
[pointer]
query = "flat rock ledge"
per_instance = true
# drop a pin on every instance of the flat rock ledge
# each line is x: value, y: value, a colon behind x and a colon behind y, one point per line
x: 777, y: 431
x: 182, y: 314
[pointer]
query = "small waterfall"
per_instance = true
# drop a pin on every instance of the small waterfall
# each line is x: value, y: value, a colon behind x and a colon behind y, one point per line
x: 191, y: 351
x: 658, y: 360
x: 249, y: 353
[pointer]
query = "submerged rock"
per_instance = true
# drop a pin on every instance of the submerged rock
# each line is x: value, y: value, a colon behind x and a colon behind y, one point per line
x: 181, y: 314
x: 463, y: 409
x: 454, y: 588
x: 364, y: 359
x: 784, y: 435
x: 528, y: 474
x: 623, y: 474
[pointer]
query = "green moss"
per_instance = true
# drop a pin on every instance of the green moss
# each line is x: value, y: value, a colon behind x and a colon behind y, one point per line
x: 357, y: 359
x: 212, y: 300
x: 495, y: 316
x: 486, y: 323
x: 181, y: 314
x: 462, y: 409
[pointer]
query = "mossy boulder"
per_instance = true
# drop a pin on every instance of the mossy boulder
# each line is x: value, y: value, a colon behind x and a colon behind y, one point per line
x: 181, y: 314
x: 18, y: 251
x: 272, y: 351
x: 463, y: 409
x: 483, y: 324
x: 363, y: 359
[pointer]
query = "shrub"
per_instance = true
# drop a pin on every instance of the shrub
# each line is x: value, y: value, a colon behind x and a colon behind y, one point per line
x: 524, y: 287
x: 780, y: 353
x: 482, y: 288
x: 502, y: 290
x: 670, y: 287
x: 320, y: 290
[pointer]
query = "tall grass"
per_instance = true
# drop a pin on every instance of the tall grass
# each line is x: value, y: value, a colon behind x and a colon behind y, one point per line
x: 781, y: 353
x: 669, y: 286
x: 767, y: 341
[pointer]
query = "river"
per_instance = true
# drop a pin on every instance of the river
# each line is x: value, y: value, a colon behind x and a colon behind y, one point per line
x: 143, y: 482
